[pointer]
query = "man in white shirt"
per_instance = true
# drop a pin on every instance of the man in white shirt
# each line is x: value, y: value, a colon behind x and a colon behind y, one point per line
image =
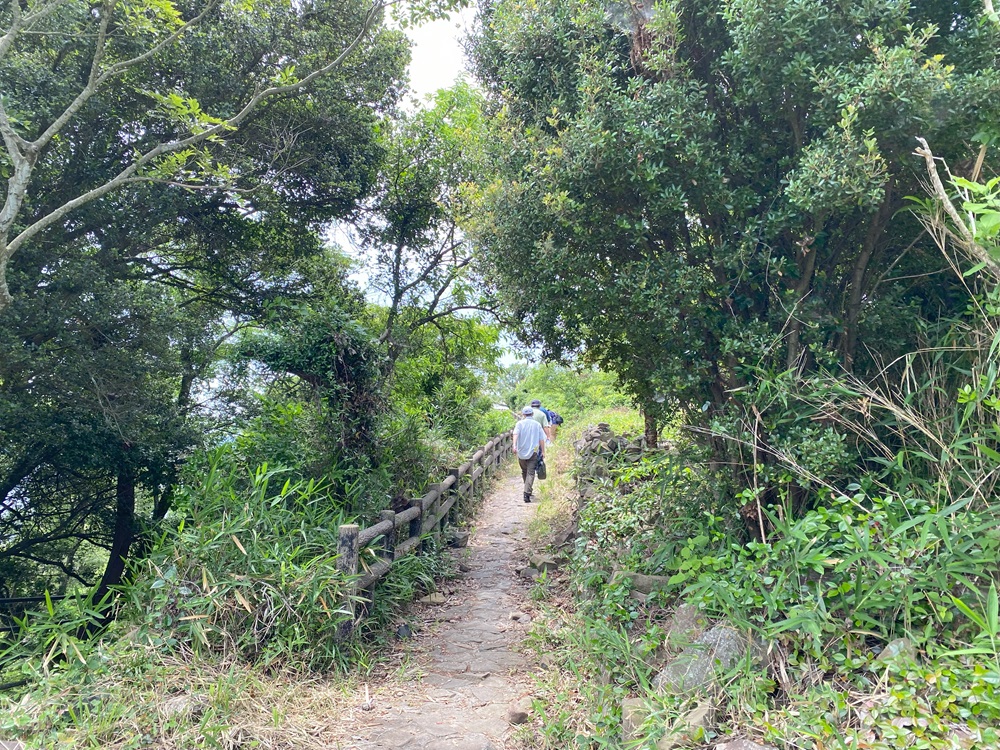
x: 529, y: 442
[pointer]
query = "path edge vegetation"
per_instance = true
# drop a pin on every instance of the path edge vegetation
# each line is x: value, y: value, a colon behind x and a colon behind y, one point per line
x: 764, y: 224
x: 247, y: 589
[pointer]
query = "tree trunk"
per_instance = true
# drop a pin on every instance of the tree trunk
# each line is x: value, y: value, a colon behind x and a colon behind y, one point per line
x: 651, y: 430
x: 806, y: 260
x: 124, y: 535
x: 856, y: 293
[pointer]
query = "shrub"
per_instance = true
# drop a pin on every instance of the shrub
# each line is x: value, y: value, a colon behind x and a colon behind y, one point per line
x: 244, y: 568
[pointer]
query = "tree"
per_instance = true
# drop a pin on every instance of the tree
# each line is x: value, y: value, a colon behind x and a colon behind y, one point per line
x: 707, y: 197
x: 88, y: 57
x: 412, y: 231
x: 120, y: 307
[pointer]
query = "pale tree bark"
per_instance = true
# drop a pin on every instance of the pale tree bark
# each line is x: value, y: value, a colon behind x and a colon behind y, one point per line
x: 991, y: 12
x: 23, y: 154
x: 957, y: 230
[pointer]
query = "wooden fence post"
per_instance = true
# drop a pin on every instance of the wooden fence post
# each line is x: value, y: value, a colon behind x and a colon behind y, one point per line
x: 349, y: 536
x: 384, y: 551
x: 416, y: 524
x: 347, y: 563
x: 387, y: 550
x: 434, y: 509
x: 454, y: 489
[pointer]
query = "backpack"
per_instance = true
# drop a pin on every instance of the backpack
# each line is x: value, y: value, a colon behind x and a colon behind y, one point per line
x: 555, y: 419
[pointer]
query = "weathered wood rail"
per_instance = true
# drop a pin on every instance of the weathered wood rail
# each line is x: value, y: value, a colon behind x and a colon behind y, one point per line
x: 426, y: 516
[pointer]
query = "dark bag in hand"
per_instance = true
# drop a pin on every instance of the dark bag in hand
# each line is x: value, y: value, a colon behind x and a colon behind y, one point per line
x: 540, y: 468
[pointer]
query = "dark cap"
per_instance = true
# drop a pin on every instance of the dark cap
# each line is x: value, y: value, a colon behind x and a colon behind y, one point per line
x: 536, y: 402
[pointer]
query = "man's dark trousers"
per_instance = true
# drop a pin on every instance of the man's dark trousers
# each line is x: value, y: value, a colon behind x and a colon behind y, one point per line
x: 528, y: 466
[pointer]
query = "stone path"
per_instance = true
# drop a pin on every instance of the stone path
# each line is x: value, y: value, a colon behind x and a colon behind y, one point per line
x: 472, y: 671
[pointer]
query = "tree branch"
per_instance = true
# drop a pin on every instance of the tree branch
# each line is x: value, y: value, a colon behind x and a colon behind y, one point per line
x: 56, y: 564
x: 17, y: 184
x: 966, y: 240
x: 454, y: 309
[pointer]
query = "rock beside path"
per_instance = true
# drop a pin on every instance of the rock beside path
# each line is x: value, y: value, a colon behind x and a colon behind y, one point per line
x: 717, y: 650
x: 520, y: 712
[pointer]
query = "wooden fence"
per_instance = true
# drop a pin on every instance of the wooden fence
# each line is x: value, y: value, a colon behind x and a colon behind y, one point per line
x: 428, y: 515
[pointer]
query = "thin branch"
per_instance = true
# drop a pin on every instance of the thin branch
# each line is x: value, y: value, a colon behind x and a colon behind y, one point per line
x: 454, y: 309
x: 990, y: 12
x: 19, y: 23
x: 128, y: 174
x: 97, y: 78
x: 967, y: 240
x: 17, y: 185
x: 56, y: 564
x: 7, y: 40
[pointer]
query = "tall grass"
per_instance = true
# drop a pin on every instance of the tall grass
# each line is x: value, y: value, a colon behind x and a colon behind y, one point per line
x: 245, y: 567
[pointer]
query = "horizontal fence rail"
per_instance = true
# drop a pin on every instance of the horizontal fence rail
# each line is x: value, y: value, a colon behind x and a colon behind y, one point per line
x: 426, y: 516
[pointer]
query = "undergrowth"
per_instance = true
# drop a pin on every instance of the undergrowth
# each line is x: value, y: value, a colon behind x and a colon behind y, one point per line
x: 828, y: 593
x: 237, y: 601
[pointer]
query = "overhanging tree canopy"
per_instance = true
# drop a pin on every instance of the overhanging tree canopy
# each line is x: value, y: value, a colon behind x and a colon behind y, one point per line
x: 119, y: 306
x: 704, y: 193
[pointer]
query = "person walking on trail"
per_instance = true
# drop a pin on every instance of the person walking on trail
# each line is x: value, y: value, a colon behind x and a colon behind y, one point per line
x: 541, y: 416
x: 554, y: 419
x: 529, y: 442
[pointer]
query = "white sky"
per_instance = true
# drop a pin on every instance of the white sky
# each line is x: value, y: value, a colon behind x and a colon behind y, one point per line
x: 437, y: 56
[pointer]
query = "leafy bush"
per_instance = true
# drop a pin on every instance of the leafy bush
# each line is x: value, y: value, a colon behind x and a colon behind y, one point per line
x: 571, y: 392
x: 828, y: 590
x: 249, y: 572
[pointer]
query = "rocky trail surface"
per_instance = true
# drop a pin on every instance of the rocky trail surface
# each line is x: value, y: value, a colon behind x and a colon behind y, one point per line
x: 463, y: 680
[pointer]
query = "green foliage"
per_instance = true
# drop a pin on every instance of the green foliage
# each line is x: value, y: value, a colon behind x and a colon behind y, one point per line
x: 570, y: 392
x: 244, y: 568
x: 983, y: 205
x: 701, y: 198
x: 121, y: 312
x: 924, y: 707
x: 827, y: 591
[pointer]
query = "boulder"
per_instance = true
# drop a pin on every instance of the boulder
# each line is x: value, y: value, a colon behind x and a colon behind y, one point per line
x: 641, y: 582
x: 691, y: 729
x: 184, y: 705
x: 532, y: 574
x: 686, y: 623
x: 543, y: 563
x: 520, y: 712
x: 634, y: 714
x: 718, y: 649
x: 900, y: 649
x: 565, y: 536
